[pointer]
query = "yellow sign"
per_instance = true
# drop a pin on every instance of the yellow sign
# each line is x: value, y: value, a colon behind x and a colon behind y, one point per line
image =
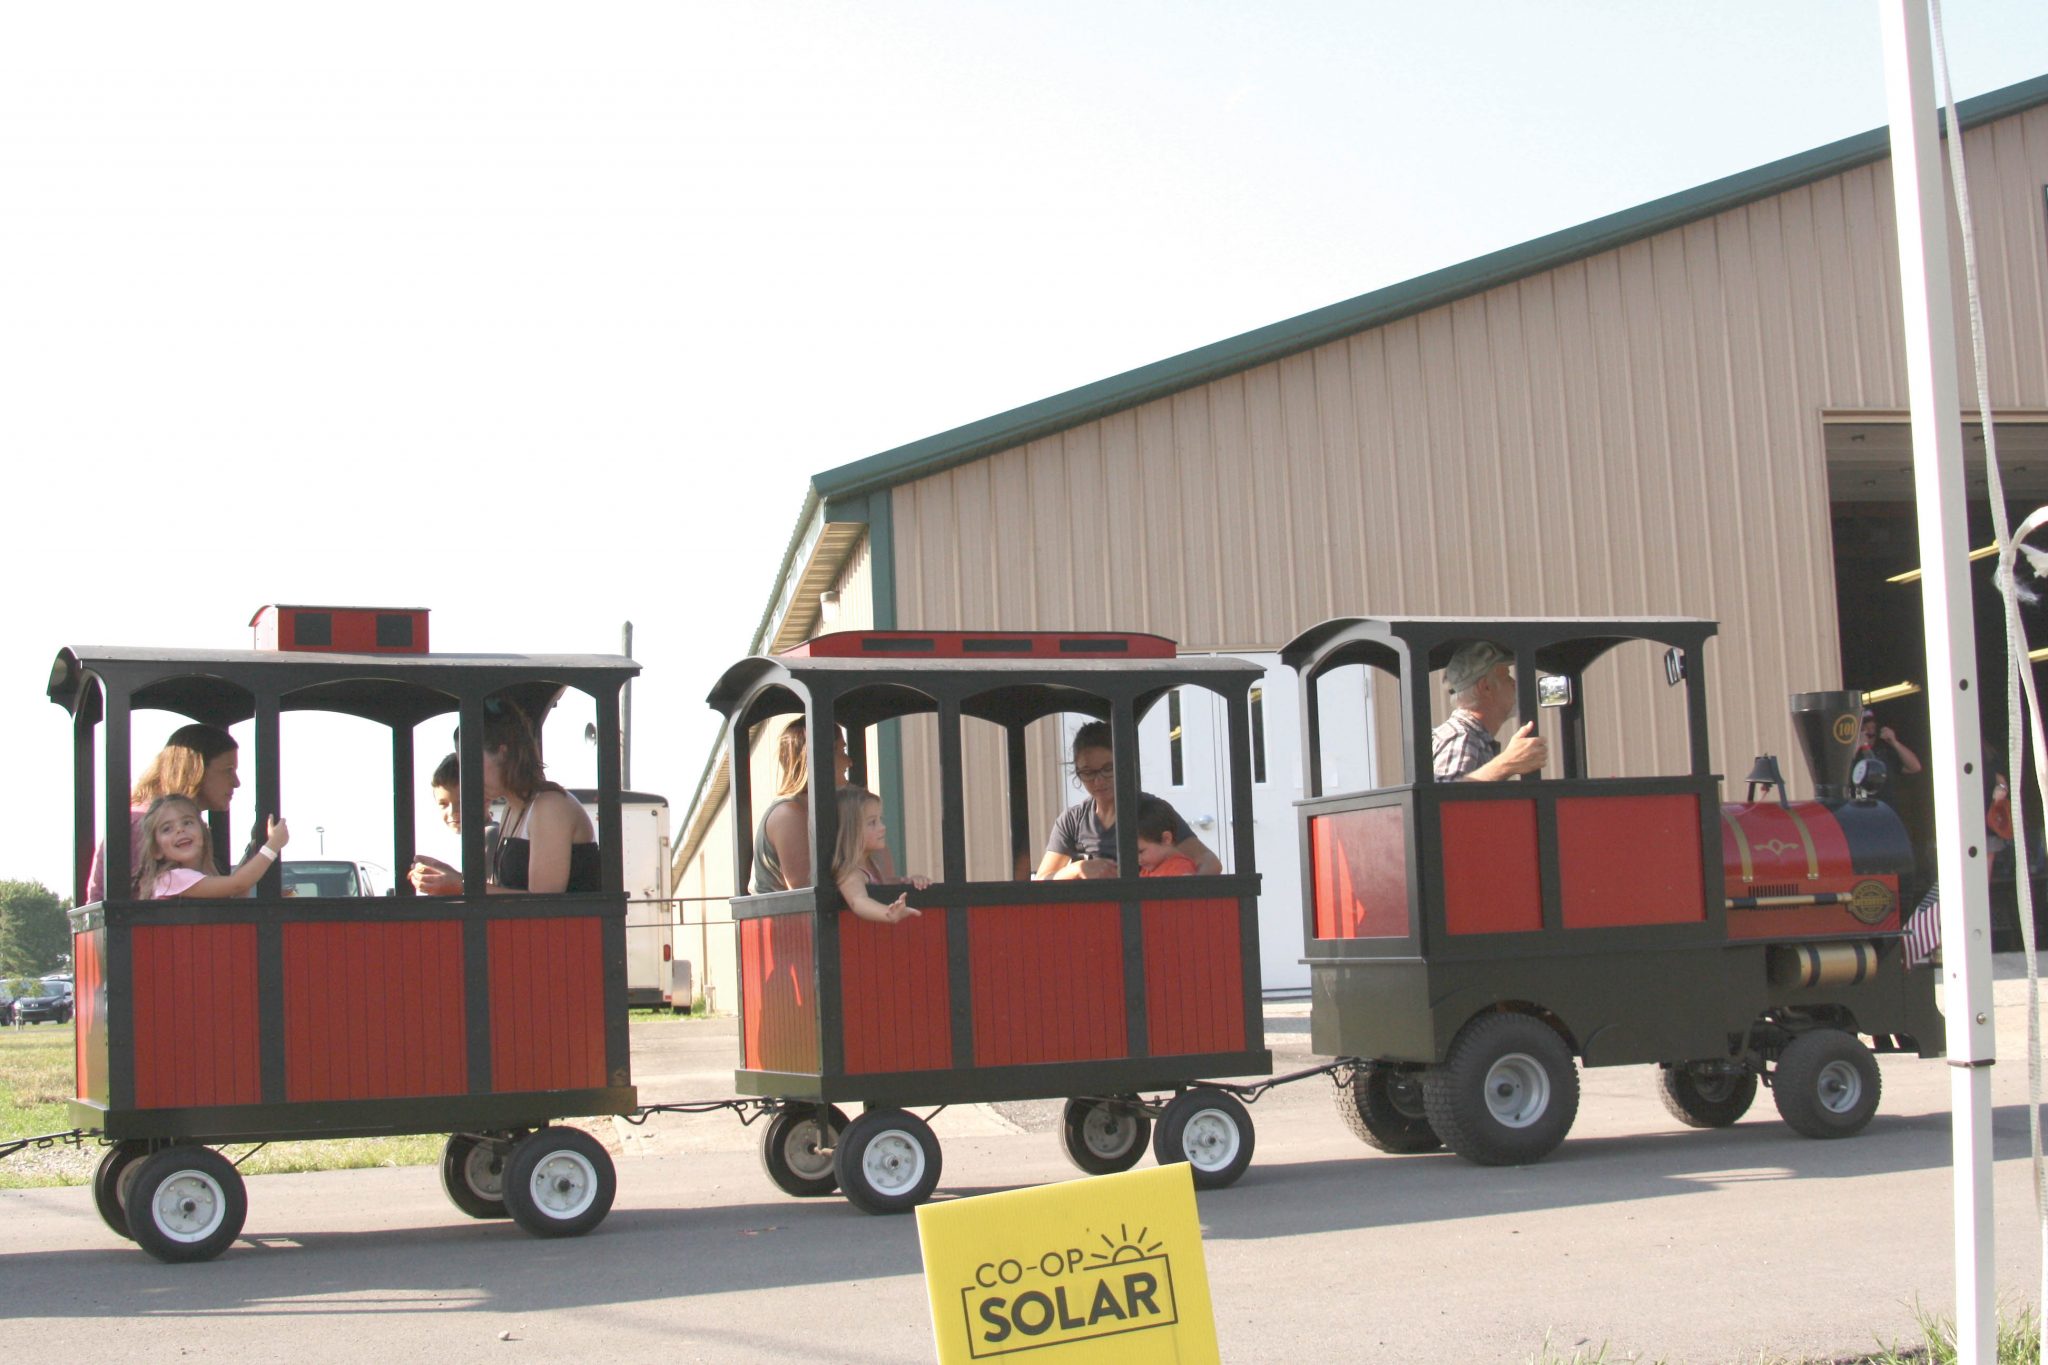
x: 1106, y: 1269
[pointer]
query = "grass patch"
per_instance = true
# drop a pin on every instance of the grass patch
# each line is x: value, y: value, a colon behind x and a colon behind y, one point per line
x: 35, y: 1080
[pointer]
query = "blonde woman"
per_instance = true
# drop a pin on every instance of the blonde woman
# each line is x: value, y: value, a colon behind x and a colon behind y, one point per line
x: 197, y: 761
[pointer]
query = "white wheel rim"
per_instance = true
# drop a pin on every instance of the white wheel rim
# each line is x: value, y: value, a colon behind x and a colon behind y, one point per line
x: 483, y: 1170
x: 893, y: 1162
x: 801, y: 1150
x: 1210, y: 1140
x: 1517, y: 1090
x: 1108, y: 1134
x: 1838, y: 1087
x: 189, y: 1206
x: 563, y: 1184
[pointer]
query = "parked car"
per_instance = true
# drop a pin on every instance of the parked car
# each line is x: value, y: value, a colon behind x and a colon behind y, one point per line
x: 44, y: 1002
x: 328, y: 878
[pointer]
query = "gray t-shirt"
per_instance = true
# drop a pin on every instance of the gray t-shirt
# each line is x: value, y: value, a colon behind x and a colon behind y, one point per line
x: 1079, y: 834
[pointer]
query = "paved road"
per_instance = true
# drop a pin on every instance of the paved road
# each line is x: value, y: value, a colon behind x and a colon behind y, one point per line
x: 1638, y: 1234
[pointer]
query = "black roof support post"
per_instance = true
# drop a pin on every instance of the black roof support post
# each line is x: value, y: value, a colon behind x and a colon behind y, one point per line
x: 83, y: 793
x: 1015, y: 760
x: 119, y: 834
x: 403, y: 835
x: 269, y: 793
x: 470, y: 758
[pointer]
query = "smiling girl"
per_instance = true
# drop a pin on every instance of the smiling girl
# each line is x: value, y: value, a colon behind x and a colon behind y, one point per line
x: 177, y: 855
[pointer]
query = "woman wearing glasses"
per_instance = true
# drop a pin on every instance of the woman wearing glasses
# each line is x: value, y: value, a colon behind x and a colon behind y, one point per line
x: 1083, y: 842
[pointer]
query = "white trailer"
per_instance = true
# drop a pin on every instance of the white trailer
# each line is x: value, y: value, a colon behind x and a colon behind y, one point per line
x: 644, y: 818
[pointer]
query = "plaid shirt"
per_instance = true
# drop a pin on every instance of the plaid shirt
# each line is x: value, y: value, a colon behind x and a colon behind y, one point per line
x: 1459, y: 745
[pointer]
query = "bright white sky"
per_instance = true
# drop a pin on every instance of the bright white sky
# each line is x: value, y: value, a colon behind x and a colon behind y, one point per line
x: 540, y: 316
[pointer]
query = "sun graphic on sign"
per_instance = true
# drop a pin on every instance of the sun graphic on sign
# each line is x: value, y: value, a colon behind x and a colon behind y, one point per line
x: 1129, y: 1249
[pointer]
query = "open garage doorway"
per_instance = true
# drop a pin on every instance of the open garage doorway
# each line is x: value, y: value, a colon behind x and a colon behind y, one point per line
x: 1876, y: 544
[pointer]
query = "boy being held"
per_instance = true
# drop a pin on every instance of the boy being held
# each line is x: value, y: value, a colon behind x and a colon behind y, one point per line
x: 1156, y: 855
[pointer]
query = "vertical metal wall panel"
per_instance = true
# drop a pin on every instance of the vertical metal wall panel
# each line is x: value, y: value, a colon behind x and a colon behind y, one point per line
x: 1636, y: 432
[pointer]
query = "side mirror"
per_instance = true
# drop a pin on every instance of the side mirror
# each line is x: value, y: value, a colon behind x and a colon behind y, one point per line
x: 1674, y: 666
x: 1553, y: 689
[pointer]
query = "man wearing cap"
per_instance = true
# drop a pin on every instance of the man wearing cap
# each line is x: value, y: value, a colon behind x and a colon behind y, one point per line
x: 1463, y: 748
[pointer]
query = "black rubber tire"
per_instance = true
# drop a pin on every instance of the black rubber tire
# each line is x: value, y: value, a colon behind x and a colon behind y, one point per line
x: 106, y: 1183
x: 559, y: 1182
x: 887, y: 1161
x: 796, y: 1149
x: 1506, y: 1092
x: 1103, y: 1137
x: 1827, y: 1084
x: 1704, y: 1099
x: 1210, y: 1131
x: 473, y: 1174
x: 1383, y: 1106
x: 185, y: 1204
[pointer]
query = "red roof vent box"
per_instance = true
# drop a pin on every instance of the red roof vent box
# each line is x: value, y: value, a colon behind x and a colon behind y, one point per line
x: 342, y: 630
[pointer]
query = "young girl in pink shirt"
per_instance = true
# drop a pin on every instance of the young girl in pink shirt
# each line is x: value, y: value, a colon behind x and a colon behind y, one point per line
x: 177, y: 855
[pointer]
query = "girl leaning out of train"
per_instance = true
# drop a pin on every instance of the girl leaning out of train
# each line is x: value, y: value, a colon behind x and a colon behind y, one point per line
x: 177, y: 855
x: 863, y: 842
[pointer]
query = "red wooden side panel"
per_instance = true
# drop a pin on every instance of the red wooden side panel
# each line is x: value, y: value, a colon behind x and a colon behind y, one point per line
x: 1491, y: 882
x: 196, y: 1039
x: 374, y: 1010
x: 896, y: 1005
x: 1048, y: 983
x: 1194, y: 977
x: 1630, y: 860
x: 89, y: 995
x: 547, y: 1004
x: 778, y: 957
x: 1360, y: 859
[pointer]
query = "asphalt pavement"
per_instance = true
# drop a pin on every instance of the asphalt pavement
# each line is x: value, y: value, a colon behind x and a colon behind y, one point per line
x: 1651, y: 1240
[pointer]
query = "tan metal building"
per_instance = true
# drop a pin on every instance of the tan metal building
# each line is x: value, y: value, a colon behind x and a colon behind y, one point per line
x: 1694, y: 407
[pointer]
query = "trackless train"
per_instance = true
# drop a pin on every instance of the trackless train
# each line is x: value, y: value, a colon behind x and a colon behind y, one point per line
x: 1470, y: 944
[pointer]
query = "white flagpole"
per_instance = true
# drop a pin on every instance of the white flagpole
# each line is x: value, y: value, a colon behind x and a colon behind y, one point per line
x: 1952, y: 683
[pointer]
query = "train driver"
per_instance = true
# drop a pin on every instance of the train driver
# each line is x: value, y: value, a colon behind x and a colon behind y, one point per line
x: 1463, y: 748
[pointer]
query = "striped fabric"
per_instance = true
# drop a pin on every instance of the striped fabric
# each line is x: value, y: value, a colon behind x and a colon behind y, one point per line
x: 1923, y: 929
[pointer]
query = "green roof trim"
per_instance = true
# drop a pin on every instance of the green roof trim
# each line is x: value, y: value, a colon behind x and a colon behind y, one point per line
x: 1005, y: 430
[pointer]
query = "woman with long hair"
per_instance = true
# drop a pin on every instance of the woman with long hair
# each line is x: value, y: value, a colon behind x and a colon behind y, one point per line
x: 197, y: 761
x: 782, y: 843
x: 545, y: 842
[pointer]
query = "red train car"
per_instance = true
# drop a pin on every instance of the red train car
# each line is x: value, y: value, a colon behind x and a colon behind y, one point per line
x: 259, y: 1019
x: 1469, y: 940
x: 1007, y: 989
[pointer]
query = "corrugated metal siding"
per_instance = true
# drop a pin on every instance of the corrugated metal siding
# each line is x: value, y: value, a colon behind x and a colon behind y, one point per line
x: 1639, y: 432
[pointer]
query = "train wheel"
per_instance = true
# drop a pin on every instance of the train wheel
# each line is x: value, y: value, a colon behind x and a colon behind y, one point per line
x: 1705, y: 1095
x: 559, y: 1182
x: 887, y: 1161
x: 106, y: 1183
x: 186, y: 1204
x: 1506, y: 1093
x: 1210, y: 1131
x: 1103, y: 1137
x: 1383, y: 1107
x: 796, y: 1151
x: 473, y: 1174
x: 1827, y: 1084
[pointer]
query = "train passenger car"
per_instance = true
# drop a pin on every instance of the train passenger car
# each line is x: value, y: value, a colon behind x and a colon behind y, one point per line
x: 270, y: 1018
x: 1088, y: 990
x: 1468, y: 940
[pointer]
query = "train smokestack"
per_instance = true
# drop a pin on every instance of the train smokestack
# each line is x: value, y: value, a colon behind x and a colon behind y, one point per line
x: 1828, y: 725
